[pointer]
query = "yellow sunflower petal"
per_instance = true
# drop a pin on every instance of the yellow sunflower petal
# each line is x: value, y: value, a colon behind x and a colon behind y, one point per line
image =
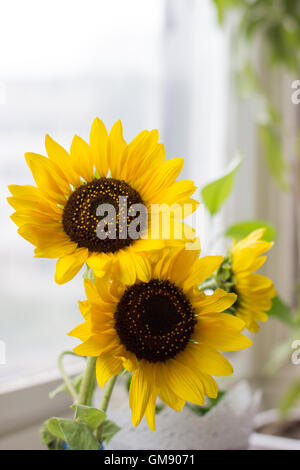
x: 150, y: 410
x: 26, y: 198
x: 221, y: 332
x: 55, y: 251
x: 162, y: 176
x: 219, y: 301
x: 91, y: 347
x: 139, y: 395
x: 47, y: 178
x: 204, y: 268
x: 43, y: 236
x: 84, y: 308
x: 143, y: 151
x: 100, y: 264
x: 210, y: 361
x: 188, y: 357
x: 61, y: 157
x: 179, y: 192
x: 165, y: 392
x: 98, y: 143
x: 129, y: 360
x: 127, y: 269
x: 185, y: 383
x: 117, y: 149
x: 82, y: 158
x: 68, y: 266
x: 90, y: 289
x: 20, y: 218
x: 82, y: 332
x: 142, y: 267
x: 106, y: 367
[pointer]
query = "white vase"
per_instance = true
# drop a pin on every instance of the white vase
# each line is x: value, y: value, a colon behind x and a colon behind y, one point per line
x: 260, y: 441
x: 226, y: 426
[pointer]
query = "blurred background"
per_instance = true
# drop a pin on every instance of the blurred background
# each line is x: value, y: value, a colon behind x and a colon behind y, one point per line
x: 209, y: 80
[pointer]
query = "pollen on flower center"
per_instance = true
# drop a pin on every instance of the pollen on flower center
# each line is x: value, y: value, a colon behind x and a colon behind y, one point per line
x: 154, y: 320
x: 80, y: 219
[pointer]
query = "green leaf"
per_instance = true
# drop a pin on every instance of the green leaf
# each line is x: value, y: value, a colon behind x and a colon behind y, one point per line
x: 222, y: 7
x: 243, y: 229
x: 272, y: 146
x: 88, y: 415
x: 109, y: 429
x: 54, y: 428
x: 215, y: 194
x: 48, y: 439
x: 281, y: 311
x: 290, y: 398
x: 78, y: 435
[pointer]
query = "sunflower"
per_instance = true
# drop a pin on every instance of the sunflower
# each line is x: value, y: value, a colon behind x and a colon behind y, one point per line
x: 164, y: 330
x: 59, y: 215
x: 254, y: 291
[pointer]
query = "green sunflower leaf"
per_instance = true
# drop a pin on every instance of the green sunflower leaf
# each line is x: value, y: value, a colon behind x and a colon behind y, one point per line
x: 281, y: 311
x: 215, y: 194
x: 48, y: 439
x: 77, y: 435
x: 243, y: 229
x: 108, y: 430
x: 54, y: 428
x: 92, y: 417
x: 273, y: 152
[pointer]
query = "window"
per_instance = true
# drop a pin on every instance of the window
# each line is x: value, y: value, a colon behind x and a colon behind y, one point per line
x: 153, y: 64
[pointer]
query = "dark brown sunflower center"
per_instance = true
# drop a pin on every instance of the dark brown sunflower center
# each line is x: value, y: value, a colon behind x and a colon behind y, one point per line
x: 97, y: 215
x: 154, y: 320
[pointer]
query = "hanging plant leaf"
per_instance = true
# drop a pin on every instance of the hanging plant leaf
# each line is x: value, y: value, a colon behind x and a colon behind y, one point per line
x: 215, y: 194
x: 243, y: 229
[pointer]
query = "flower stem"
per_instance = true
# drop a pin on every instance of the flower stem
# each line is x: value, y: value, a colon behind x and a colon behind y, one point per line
x: 65, y: 376
x: 107, y: 393
x: 209, y: 284
x: 87, y: 381
x: 105, y: 401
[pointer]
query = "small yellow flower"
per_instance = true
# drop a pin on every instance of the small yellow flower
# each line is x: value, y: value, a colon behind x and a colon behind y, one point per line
x: 254, y: 291
x: 59, y: 216
x: 164, y: 330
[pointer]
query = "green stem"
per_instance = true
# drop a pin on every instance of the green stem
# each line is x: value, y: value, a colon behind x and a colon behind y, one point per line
x: 107, y: 393
x: 209, y: 284
x: 105, y: 402
x: 87, y: 381
x: 65, y: 376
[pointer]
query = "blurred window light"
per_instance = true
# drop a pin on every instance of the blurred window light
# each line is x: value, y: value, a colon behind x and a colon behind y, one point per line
x: 152, y: 63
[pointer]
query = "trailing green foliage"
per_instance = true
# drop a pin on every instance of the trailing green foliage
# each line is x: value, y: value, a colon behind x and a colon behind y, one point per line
x: 281, y: 311
x: 243, y: 229
x: 277, y: 21
x: 276, y: 26
x: 215, y: 193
